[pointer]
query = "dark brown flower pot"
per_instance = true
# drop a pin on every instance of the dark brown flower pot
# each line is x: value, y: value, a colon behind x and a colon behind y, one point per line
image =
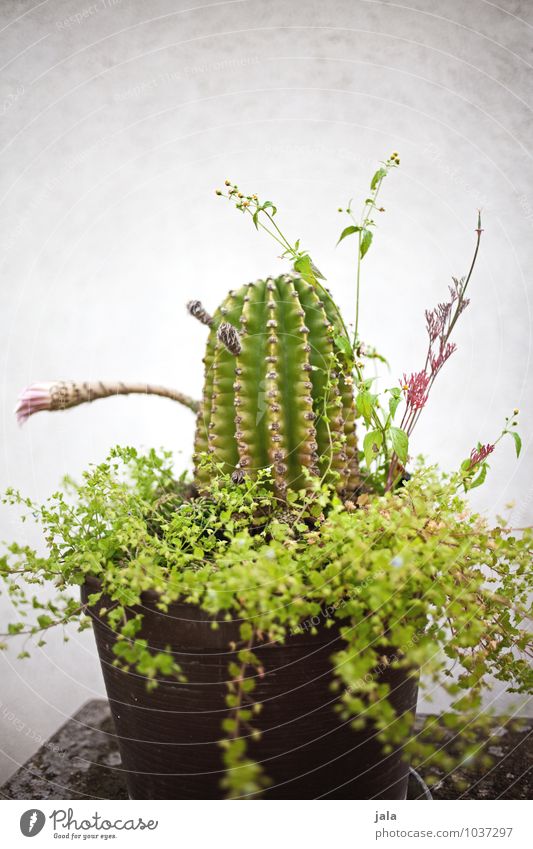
x: 169, y: 737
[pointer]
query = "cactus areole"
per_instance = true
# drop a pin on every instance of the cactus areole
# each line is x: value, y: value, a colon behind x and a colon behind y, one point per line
x: 277, y: 392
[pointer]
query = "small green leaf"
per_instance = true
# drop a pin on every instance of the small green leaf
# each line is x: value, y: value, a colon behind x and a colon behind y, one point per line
x: 131, y: 628
x: 348, y: 232
x: 365, y: 402
x: 371, y: 445
x: 269, y: 205
x: 396, y: 397
x: 93, y: 598
x: 318, y: 274
x: 477, y: 481
x: 380, y: 173
x: 303, y: 266
x: 393, y: 405
x: 246, y: 631
x: 366, y: 241
x: 343, y: 344
x: 517, y: 442
x: 400, y: 443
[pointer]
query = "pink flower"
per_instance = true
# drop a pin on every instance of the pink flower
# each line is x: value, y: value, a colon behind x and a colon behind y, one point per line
x: 416, y: 388
x: 477, y: 455
x: 440, y: 321
x: 437, y: 321
x: 37, y: 397
x: 438, y: 361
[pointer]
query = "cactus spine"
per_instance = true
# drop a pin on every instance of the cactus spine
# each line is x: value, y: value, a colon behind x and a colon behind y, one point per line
x: 276, y: 391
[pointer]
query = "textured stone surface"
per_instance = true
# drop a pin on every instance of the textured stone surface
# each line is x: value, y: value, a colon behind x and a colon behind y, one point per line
x: 81, y: 761
x: 510, y: 776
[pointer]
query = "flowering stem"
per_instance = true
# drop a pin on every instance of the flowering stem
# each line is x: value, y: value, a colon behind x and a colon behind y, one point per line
x: 63, y: 394
x: 369, y: 204
x: 357, y: 289
x: 468, y: 276
x: 413, y: 412
x: 253, y: 207
x: 458, y: 311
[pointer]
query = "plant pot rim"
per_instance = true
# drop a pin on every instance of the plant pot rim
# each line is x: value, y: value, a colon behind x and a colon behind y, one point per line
x: 193, y: 615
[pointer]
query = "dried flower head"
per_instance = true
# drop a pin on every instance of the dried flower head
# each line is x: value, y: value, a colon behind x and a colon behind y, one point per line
x: 229, y: 337
x: 197, y: 310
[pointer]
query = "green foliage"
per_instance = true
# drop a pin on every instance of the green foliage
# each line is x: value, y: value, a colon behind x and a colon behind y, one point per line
x: 363, y: 225
x: 283, y: 531
x: 400, y: 443
x: 348, y: 231
x: 413, y: 578
x: 383, y: 468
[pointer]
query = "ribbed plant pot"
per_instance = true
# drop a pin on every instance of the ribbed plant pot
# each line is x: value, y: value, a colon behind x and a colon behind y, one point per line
x: 169, y: 737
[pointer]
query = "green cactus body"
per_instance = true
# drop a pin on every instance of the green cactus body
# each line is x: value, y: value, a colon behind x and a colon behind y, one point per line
x: 285, y: 399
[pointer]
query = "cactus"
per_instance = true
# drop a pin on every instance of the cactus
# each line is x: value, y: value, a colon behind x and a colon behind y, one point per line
x: 276, y: 392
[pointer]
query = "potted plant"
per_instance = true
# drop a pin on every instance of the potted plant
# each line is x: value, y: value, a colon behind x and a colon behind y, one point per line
x: 264, y: 628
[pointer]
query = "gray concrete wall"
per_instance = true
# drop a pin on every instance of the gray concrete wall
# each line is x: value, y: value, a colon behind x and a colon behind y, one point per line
x: 118, y: 118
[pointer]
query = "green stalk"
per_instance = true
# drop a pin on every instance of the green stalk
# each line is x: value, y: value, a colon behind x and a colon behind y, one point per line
x: 365, y: 214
